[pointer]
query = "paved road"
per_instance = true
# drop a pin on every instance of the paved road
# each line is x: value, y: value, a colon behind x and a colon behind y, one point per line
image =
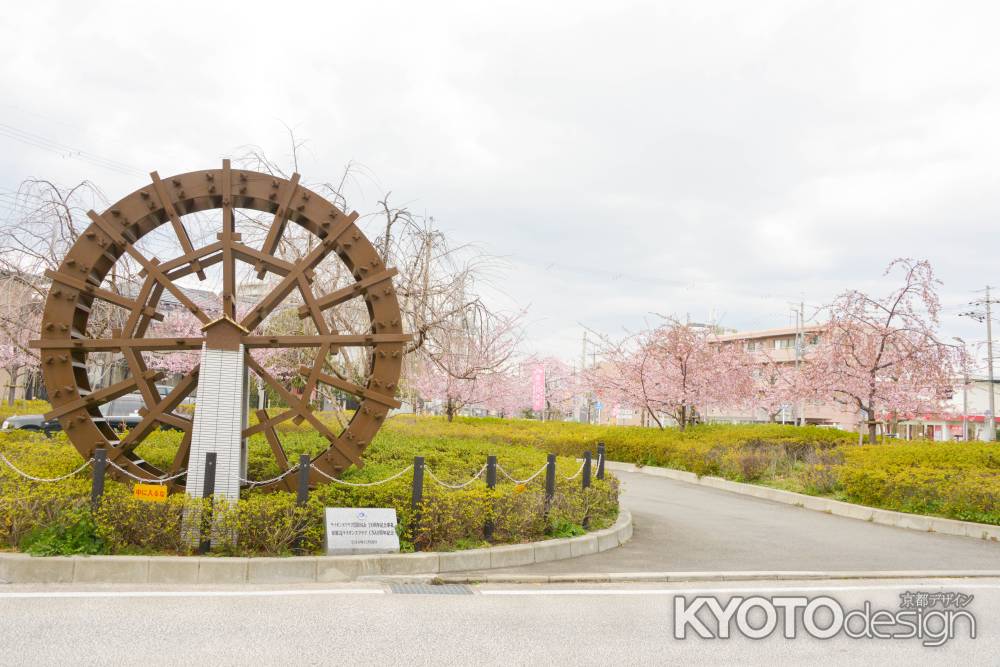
x: 683, y: 527
x: 368, y: 624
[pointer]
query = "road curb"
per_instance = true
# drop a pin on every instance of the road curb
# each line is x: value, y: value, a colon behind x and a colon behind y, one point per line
x: 26, y: 569
x: 918, y: 522
x: 668, y: 577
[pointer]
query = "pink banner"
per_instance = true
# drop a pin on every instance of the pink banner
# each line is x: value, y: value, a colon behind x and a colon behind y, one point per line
x: 538, y: 387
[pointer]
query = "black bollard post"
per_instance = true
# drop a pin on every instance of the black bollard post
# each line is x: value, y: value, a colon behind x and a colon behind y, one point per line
x: 97, y: 482
x: 301, y: 497
x: 417, y: 496
x: 491, y: 483
x: 207, y: 491
x: 586, y: 469
x: 600, y: 460
x: 550, y: 481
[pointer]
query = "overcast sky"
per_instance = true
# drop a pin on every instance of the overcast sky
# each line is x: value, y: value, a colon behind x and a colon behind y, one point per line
x: 717, y: 159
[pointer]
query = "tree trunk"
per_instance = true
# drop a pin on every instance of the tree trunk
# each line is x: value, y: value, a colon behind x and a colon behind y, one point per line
x: 872, y: 432
x: 682, y: 422
x: 450, y: 410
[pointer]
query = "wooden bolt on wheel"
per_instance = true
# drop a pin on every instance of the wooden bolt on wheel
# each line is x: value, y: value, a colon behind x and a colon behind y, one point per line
x: 64, y: 345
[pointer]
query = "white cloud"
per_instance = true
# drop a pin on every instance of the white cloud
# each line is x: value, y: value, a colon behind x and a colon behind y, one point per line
x: 628, y: 157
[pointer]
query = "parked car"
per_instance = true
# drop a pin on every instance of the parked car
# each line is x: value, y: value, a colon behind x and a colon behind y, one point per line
x: 121, y: 414
x: 31, y: 423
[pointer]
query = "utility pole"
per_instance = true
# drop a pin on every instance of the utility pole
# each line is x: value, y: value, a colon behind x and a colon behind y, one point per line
x: 965, y: 393
x: 800, y: 323
x: 583, y: 371
x: 989, y: 421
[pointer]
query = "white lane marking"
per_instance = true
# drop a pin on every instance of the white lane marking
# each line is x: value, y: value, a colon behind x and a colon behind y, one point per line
x: 189, y: 594
x: 759, y: 590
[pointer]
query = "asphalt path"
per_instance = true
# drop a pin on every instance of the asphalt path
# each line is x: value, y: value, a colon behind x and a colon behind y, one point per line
x: 680, y: 527
x: 369, y: 624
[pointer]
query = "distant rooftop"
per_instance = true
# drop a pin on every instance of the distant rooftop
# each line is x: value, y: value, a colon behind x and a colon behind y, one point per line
x: 770, y: 333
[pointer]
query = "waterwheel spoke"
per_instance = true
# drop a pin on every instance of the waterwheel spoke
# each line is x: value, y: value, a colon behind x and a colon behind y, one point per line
x: 161, y: 411
x: 150, y: 266
x: 354, y: 389
x: 325, y: 350
x: 228, y: 237
x: 95, y: 398
x: 146, y: 319
x: 189, y: 258
x: 338, y: 340
x: 97, y: 292
x: 347, y: 293
x: 287, y: 284
x: 253, y: 256
x: 280, y: 457
x: 269, y: 422
x: 175, y: 221
x: 349, y: 451
x: 181, y: 456
x: 278, y: 224
x: 140, y: 307
x: 114, y: 344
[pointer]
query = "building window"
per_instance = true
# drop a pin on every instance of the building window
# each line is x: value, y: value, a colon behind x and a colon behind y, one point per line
x: 784, y: 343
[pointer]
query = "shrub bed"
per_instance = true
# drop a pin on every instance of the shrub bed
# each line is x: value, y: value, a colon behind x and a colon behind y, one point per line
x: 55, y: 518
x: 954, y: 480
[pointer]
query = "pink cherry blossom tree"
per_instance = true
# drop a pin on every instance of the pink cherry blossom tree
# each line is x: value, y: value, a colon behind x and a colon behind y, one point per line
x: 881, y: 354
x: 20, y: 319
x: 561, y: 385
x: 176, y: 324
x: 462, y: 364
x: 775, y: 385
x: 16, y: 359
x: 674, y: 369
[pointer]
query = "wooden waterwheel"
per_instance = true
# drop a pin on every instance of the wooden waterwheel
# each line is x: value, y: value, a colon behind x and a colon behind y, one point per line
x: 65, y: 345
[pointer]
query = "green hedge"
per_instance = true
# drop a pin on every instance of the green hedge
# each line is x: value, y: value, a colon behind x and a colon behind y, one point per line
x: 46, y: 517
x: 955, y: 480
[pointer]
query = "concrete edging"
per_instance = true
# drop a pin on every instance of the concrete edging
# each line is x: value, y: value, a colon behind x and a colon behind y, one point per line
x: 666, y: 577
x: 919, y: 522
x: 25, y: 569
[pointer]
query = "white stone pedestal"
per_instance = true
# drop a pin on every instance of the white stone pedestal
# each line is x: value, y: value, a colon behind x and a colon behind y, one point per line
x: 220, y: 416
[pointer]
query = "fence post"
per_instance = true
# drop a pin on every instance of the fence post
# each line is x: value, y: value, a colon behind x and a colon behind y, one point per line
x: 586, y: 469
x: 600, y: 460
x: 97, y: 483
x: 491, y: 483
x: 417, y: 496
x: 207, y: 491
x: 301, y: 497
x: 550, y: 481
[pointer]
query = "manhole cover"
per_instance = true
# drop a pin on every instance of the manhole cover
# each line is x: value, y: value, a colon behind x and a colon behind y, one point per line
x: 430, y: 589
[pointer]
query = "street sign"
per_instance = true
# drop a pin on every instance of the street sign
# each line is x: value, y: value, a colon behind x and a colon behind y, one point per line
x: 361, y: 530
x: 152, y: 493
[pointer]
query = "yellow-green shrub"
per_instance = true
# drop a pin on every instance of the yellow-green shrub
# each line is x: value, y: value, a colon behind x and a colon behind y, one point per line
x: 268, y: 524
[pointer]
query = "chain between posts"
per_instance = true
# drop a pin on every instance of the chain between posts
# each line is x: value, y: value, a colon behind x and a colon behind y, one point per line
x: 146, y: 480
x: 346, y: 483
x: 434, y: 477
x: 521, y: 481
x: 44, y: 479
x: 261, y: 482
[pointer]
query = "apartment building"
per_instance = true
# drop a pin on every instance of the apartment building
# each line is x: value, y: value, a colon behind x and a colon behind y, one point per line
x: 965, y: 417
x: 788, y: 345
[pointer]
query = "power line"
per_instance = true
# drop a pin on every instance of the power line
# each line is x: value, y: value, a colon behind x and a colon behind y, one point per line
x: 65, y: 151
